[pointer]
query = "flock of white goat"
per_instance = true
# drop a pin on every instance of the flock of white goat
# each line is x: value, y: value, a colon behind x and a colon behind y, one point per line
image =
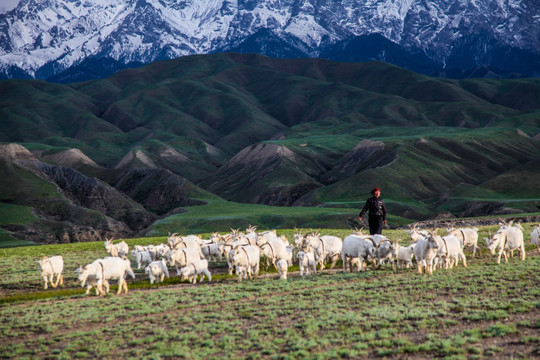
x: 190, y: 255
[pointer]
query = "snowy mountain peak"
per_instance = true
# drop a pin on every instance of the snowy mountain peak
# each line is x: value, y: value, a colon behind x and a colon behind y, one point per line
x: 43, y: 38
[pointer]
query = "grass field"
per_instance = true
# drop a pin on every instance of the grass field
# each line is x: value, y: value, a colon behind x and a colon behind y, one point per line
x: 219, y: 215
x: 484, y: 311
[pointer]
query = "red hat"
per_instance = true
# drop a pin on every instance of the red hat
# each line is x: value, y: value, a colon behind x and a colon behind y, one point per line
x: 376, y: 189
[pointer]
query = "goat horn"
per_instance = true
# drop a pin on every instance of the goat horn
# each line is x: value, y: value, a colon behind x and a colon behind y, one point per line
x: 373, y: 241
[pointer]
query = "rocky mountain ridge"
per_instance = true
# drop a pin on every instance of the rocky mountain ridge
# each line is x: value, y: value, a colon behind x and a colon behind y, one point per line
x: 83, y: 208
x: 68, y: 41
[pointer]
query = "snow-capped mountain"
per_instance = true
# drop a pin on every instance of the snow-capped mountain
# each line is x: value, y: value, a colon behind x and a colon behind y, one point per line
x: 46, y: 38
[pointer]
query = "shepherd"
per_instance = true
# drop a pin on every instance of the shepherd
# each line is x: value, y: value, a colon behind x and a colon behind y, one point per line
x: 377, y: 212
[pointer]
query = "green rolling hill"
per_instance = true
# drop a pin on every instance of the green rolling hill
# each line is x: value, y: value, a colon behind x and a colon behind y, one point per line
x: 309, y: 138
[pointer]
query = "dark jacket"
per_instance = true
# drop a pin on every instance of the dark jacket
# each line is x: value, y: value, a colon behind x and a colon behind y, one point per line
x: 375, y: 206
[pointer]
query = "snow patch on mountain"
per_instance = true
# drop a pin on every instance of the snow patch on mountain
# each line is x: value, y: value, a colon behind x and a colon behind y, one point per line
x: 62, y: 33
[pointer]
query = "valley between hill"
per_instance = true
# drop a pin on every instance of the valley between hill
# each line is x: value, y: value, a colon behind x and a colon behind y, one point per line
x: 207, y: 141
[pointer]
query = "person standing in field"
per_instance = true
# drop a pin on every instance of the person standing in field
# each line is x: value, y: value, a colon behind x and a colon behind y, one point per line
x: 376, y: 211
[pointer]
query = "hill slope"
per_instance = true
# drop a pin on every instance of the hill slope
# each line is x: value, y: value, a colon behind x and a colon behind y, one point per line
x: 252, y: 129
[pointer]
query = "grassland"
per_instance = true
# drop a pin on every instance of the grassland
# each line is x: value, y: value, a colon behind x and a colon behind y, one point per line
x: 218, y: 215
x: 484, y: 311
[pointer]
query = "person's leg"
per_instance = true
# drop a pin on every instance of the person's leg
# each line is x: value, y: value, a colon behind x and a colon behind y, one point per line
x: 375, y: 225
x: 372, y: 221
x: 379, y: 225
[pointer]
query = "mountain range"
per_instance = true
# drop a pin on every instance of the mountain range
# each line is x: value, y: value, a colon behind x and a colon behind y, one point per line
x: 185, y: 141
x: 76, y: 40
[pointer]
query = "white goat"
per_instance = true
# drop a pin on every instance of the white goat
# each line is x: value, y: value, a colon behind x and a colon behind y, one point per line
x: 217, y: 238
x: 251, y: 236
x: 157, y: 271
x: 417, y: 234
x: 266, y: 235
x: 282, y: 267
x: 386, y: 250
x: 243, y: 272
x: 141, y: 257
x: 323, y: 247
x: 49, y: 267
x: 425, y: 252
x: 468, y: 237
x: 273, y: 247
x: 506, y: 238
x: 535, y: 237
x: 227, y: 250
x: 159, y: 251
x: 174, y: 241
x: 356, y: 246
x: 91, y: 282
x: 298, y: 238
x: 450, y: 251
x: 306, y: 263
x: 183, y: 257
x: 289, y: 254
x: 248, y: 257
x: 405, y: 254
x: 108, y: 268
x: 211, y: 252
x: 198, y: 267
x: 332, y: 246
x: 139, y: 248
x: 121, y: 249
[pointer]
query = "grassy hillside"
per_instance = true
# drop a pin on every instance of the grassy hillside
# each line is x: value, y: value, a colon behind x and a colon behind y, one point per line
x: 305, y: 132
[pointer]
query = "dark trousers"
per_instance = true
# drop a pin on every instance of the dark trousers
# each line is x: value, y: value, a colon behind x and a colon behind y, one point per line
x: 375, y: 225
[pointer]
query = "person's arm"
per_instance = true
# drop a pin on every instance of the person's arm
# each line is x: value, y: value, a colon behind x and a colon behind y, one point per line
x: 366, y: 206
x: 384, y: 212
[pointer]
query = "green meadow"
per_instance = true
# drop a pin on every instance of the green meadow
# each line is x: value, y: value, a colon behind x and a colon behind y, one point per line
x: 484, y: 311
